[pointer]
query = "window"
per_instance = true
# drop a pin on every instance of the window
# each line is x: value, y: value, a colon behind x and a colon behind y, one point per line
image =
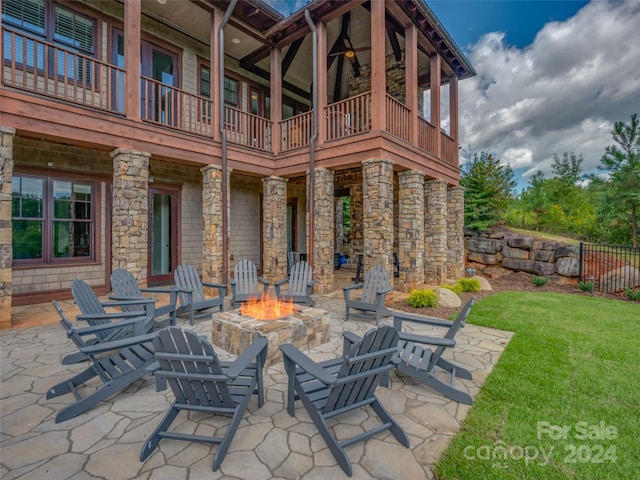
x: 204, y: 90
x: 53, y: 23
x: 53, y: 219
x: 231, y: 91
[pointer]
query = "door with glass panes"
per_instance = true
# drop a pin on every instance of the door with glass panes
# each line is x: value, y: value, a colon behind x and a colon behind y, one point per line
x: 163, y: 234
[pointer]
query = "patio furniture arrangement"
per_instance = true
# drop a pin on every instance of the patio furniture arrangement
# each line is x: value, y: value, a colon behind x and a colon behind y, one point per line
x: 201, y: 382
x: 191, y: 294
x: 125, y: 287
x: 333, y: 387
x: 374, y: 293
x: 419, y: 362
x: 125, y: 323
x: 116, y: 363
x: 244, y: 284
x: 300, y: 284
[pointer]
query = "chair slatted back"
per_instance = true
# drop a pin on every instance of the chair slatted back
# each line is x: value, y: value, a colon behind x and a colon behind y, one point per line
x: 363, y: 368
x: 457, y: 324
x: 192, y: 369
x: 89, y: 303
x: 376, y: 279
x: 246, y: 276
x: 292, y: 259
x: 186, y: 277
x: 301, y: 275
x: 124, y: 284
x: 68, y: 326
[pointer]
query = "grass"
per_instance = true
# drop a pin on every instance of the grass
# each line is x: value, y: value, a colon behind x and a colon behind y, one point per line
x: 572, y: 364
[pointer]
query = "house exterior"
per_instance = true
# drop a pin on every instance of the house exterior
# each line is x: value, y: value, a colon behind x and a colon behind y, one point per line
x: 145, y: 134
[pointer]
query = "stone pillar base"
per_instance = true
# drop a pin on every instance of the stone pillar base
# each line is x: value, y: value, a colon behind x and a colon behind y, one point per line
x: 6, y: 248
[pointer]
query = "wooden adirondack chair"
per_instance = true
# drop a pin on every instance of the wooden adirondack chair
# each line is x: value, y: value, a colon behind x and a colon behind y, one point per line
x: 201, y: 382
x: 419, y: 362
x: 292, y: 259
x: 126, y: 323
x: 116, y: 363
x: 191, y: 293
x: 244, y: 284
x: 374, y: 293
x: 125, y: 287
x: 300, y: 282
x: 333, y: 387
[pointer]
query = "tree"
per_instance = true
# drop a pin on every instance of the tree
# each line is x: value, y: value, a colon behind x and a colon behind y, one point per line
x: 565, y: 191
x: 489, y: 188
x: 535, y: 197
x: 622, y: 161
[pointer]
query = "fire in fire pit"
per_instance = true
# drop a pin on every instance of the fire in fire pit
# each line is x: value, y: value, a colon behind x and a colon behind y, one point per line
x: 267, y: 308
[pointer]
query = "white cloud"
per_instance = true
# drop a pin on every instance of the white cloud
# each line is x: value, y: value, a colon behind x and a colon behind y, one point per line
x: 562, y: 93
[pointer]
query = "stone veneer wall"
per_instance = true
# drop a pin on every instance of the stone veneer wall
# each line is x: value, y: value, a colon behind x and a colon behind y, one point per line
x: 455, y: 232
x: 378, y: 214
x: 323, y: 232
x: 213, y: 234
x: 435, y: 231
x: 130, y: 212
x: 274, y: 243
x: 6, y: 251
x: 410, y: 230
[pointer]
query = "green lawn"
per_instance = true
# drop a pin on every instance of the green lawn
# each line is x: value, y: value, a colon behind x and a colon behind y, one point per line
x: 563, y: 400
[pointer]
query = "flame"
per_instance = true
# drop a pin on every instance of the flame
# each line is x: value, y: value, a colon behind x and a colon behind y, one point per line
x: 267, y: 308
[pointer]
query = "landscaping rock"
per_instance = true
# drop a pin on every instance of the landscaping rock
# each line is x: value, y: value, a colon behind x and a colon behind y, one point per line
x: 530, y: 266
x: 568, y: 266
x: 495, y: 272
x: 619, y: 279
x: 484, y: 283
x: 518, y: 253
x: 483, y: 245
x: 544, y: 245
x: 567, y: 251
x: 525, y: 243
x: 543, y: 255
x: 484, y: 258
x: 447, y: 298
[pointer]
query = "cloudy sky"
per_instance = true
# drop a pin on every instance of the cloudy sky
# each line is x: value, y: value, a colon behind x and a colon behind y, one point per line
x: 553, y: 76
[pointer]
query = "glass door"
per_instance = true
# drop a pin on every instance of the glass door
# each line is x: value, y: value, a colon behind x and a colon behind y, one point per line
x: 163, y: 224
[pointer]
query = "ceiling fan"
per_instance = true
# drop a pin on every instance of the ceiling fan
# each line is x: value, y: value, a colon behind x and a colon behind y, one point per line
x: 343, y: 46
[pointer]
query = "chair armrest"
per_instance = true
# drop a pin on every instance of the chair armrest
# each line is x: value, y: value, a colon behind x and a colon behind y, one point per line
x: 280, y: 282
x: 439, y: 342
x: 161, y: 289
x: 257, y: 347
x: 399, y: 317
x: 312, y: 283
x: 117, y: 344
x: 384, y: 290
x: 130, y: 302
x: 105, y: 327
x: 352, y: 287
x: 263, y: 281
x: 295, y: 356
x: 350, y: 339
x: 112, y: 315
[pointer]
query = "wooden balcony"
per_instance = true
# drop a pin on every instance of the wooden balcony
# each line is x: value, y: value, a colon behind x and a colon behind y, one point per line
x: 50, y: 72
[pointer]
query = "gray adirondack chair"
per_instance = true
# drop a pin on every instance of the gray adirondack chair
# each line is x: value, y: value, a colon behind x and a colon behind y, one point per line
x: 117, y: 364
x: 191, y: 296
x: 292, y: 259
x: 94, y: 312
x: 333, y: 387
x: 374, y: 293
x: 245, y: 282
x: 300, y: 284
x: 201, y: 382
x: 125, y: 287
x: 419, y: 362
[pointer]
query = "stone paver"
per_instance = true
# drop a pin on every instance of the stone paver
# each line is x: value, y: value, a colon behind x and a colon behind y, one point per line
x: 105, y: 442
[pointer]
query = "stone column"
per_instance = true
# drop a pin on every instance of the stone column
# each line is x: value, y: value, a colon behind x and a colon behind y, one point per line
x: 455, y: 233
x: 6, y: 249
x: 377, y: 193
x: 323, y: 231
x: 435, y: 231
x: 411, y: 230
x: 339, y: 224
x: 274, y: 221
x: 212, y: 235
x: 356, y: 234
x: 130, y: 212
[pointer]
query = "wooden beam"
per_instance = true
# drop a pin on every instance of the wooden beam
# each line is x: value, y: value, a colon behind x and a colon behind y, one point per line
x: 132, y: 29
x: 255, y: 56
x: 291, y: 54
x: 393, y: 40
x: 277, y: 75
x: 378, y: 66
x: 338, y: 82
x: 411, y: 80
x: 435, y: 84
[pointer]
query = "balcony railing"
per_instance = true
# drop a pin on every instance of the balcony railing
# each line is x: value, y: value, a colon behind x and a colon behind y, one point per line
x: 40, y: 67
x: 349, y: 117
x: 172, y: 107
x: 246, y: 129
x: 397, y: 118
x: 449, y: 149
x: 296, y: 131
x: 426, y: 135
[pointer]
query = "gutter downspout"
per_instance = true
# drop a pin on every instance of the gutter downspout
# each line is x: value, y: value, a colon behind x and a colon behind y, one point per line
x: 225, y: 206
x: 314, y: 133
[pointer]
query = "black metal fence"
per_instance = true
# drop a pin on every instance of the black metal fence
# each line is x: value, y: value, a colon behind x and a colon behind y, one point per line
x: 611, y: 268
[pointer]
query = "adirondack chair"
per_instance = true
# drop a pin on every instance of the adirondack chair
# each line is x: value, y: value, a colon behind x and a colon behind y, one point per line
x: 333, y: 387
x: 374, y: 293
x: 244, y: 284
x: 419, y: 362
x: 126, y: 323
x: 125, y: 287
x: 292, y: 259
x: 116, y: 363
x: 300, y: 282
x: 191, y: 293
x: 201, y: 382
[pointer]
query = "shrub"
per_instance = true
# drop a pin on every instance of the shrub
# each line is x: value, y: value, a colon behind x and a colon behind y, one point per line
x: 469, y: 284
x: 423, y: 298
x: 455, y: 288
x: 539, y: 281
x: 587, y: 286
x: 633, y: 295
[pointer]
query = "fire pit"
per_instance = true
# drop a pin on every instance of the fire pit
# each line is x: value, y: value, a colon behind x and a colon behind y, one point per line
x: 306, y: 327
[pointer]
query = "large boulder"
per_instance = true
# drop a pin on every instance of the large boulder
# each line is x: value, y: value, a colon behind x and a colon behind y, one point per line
x: 447, y: 298
x: 620, y: 278
x: 526, y: 243
x: 567, y: 251
x: 484, y: 283
x: 530, y: 266
x: 483, y: 258
x: 544, y: 245
x: 484, y: 245
x: 519, y: 253
x: 568, y: 266
x: 543, y: 255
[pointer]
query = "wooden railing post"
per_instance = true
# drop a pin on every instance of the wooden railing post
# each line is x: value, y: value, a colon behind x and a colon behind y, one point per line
x: 132, y: 94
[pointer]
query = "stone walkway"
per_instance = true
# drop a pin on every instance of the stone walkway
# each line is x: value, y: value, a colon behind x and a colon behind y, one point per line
x: 105, y: 442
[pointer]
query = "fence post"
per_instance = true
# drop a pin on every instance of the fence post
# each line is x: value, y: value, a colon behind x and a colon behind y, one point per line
x: 581, y: 260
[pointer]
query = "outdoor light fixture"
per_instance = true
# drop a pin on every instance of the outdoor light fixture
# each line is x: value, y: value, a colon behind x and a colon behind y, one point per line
x: 349, y: 54
x: 235, y: 40
x: 162, y: 2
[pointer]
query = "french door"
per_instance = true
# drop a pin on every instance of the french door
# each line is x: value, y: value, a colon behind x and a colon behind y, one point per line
x: 163, y: 234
